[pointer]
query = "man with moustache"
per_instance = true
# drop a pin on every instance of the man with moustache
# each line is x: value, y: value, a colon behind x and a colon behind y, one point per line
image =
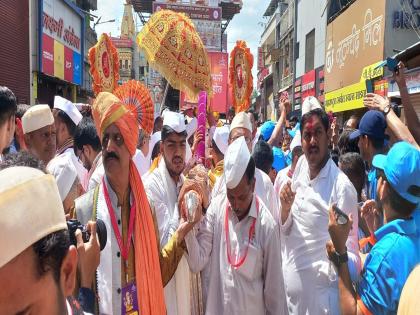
x: 163, y: 186
x: 317, y: 183
x: 132, y: 262
x: 39, y: 132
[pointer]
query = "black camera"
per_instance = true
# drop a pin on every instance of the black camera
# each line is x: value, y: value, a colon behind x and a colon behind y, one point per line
x: 73, y: 225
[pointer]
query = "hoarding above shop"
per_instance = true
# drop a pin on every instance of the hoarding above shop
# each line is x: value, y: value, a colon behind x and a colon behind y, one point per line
x: 354, y: 39
x: 308, y: 84
x: 61, y: 40
x: 351, y: 96
x: 207, y: 20
x: 219, y: 74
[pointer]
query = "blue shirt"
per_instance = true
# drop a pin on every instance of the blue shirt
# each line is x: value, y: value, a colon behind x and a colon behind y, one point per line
x: 392, y: 258
x: 371, y: 184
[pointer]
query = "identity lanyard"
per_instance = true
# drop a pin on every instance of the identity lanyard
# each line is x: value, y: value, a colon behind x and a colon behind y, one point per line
x: 250, y: 236
x: 124, y: 249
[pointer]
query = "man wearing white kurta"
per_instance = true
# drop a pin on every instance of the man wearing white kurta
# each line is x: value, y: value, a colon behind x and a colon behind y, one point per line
x: 240, y: 243
x: 66, y: 117
x: 241, y: 126
x: 162, y: 188
x: 310, y: 279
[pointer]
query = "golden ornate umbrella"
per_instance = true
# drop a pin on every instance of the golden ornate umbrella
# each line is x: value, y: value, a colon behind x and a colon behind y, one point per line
x: 240, y: 76
x: 174, y: 48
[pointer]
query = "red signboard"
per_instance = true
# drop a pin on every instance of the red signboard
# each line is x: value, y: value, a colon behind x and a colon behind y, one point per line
x: 47, y: 54
x: 68, y: 64
x: 308, y: 84
x: 260, y: 59
x: 261, y: 76
x: 219, y: 75
x: 122, y: 42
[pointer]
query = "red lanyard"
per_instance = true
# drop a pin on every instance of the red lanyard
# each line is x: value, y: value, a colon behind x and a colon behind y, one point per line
x: 124, y: 249
x: 250, y: 236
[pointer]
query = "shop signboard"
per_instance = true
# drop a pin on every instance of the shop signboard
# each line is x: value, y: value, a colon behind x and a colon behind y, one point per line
x: 219, y: 74
x: 351, y: 97
x: 207, y: 20
x: 61, y: 40
x: 308, y: 84
x: 354, y: 39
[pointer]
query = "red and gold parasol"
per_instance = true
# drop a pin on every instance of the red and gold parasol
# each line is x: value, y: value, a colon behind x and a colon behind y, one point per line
x: 240, y: 76
x: 104, y: 65
x: 137, y: 97
x: 174, y: 48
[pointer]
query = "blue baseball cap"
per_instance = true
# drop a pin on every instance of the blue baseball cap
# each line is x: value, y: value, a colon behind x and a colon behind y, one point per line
x: 372, y: 124
x: 267, y: 129
x: 402, y: 169
x: 279, y: 161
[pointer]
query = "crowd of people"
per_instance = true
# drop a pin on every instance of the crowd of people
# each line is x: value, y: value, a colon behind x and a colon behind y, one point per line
x: 298, y: 216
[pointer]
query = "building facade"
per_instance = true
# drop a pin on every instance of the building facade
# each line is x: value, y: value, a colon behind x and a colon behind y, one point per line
x: 358, y: 38
x: 276, y: 71
x: 311, y: 23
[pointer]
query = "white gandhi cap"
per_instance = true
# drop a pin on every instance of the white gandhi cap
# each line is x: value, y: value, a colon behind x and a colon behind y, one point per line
x: 37, y: 117
x: 30, y: 209
x: 241, y: 120
x: 69, y: 108
x: 221, y: 138
x: 175, y: 121
x: 310, y: 103
x: 236, y: 162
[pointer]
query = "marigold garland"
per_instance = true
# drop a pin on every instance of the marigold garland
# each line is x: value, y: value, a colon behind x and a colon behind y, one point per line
x: 240, y: 76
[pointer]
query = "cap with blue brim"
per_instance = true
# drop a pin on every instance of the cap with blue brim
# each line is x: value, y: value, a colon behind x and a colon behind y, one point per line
x: 402, y: 169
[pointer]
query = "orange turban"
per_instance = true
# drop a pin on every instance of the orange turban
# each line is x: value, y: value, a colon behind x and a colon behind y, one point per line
x: 107, y: 110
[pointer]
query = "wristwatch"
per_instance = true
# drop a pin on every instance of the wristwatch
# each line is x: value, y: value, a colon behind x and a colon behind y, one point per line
x: 338, y: 259
x: 387, y: 109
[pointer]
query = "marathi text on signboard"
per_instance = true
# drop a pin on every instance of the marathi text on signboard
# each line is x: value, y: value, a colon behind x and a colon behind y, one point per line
x: 354, y: 39
x: 61, y: 41
x: 207, y: 21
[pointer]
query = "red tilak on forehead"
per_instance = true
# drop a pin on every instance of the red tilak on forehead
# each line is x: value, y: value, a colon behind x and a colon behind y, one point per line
x: 310, y: 124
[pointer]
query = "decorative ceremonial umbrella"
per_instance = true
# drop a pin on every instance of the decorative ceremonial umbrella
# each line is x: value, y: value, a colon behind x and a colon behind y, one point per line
x: 174, y: 48
x: 240, y: 76
x: 137, y: 97
x: 104, y: 65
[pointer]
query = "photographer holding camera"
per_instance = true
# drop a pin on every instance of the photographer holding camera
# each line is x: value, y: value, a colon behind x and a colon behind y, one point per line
x: 38, y: 261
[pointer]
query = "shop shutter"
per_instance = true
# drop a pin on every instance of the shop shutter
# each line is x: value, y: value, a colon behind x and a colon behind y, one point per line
x: 14, y: 48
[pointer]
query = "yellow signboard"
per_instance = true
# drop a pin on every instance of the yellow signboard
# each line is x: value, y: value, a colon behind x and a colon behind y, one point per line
x: 58, y: 60
x: 371, y: 72
x: 351, y: 96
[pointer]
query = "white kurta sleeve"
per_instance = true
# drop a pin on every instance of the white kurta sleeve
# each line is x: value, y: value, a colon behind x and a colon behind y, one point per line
x: 274, y: 292
x: 199, y: 244
x: 347, y: 201
x: 167, y: 223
